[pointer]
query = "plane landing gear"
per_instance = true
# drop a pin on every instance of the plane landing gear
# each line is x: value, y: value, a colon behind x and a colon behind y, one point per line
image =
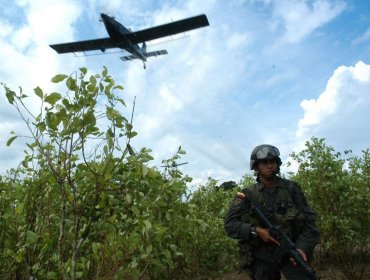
x: 144, y: 65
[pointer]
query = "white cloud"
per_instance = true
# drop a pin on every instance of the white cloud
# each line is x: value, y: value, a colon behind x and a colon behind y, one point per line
x: 53, y: 21
x: 5, y: 30
x: 26, y: 51
x: 219, y: 91
x: 341, y: 113
x: 169, y: 101
x: 28, y: 61
x: 237, y: 40
x: 301, y: 18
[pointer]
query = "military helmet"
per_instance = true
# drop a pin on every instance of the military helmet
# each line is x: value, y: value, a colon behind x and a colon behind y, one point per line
x: 264, y: 152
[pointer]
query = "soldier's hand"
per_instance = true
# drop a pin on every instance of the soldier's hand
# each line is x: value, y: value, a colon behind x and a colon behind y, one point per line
x: 303, y: 254
x: 264, y: 234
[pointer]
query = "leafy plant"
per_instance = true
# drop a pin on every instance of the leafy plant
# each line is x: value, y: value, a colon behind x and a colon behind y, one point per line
x: 83, y: 204
x: 338, y: 189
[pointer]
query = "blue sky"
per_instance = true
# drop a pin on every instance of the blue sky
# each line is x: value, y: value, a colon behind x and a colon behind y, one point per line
x: 264, y: 71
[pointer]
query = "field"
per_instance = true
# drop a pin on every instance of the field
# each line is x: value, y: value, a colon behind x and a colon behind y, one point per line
x: 328, y: 271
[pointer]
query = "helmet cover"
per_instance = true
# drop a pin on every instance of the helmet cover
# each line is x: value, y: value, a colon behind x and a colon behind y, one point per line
x: 262, y: 152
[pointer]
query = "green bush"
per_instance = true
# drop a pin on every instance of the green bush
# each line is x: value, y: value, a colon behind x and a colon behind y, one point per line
x: 214, y: 251
x: 83, y: 204
x: 338, y: 188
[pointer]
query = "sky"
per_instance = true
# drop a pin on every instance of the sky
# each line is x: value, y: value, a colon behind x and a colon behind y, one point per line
x: 263, y: 72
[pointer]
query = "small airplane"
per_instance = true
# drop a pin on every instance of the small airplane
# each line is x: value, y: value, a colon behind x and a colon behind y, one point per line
x: 122, y: 37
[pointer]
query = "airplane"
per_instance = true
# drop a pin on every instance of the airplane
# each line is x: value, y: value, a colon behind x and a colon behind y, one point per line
x: 123, y: 38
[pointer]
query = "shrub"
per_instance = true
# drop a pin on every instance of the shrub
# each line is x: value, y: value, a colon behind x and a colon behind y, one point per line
x: 338, y: 189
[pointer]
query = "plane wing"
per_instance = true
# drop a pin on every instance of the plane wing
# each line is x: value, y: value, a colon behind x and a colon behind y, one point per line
x: 167, y: 29
x: 88, y: 45
x: 134, y: 37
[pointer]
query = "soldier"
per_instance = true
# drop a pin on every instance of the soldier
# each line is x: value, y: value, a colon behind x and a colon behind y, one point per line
x: 284, y: 203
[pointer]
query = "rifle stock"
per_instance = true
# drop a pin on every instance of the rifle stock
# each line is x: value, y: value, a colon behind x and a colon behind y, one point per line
x: 286, y: 245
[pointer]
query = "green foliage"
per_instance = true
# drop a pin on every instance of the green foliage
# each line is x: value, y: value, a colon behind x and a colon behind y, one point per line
x: 338, y: 188
x: 214, y: 251
x: 84, y: 205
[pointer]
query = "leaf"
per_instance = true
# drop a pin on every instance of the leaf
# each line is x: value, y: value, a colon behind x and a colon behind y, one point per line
x: 105, y: 72
x: 52, y: 121
x: 10, y: 95
x: 173, y: 247
x: 144, y: 170
x: 53, y: 98
x: 58, y: 78
x: 148, y: 225
x: 121, y: 101
x: 83, y: 70
x: 105, y: 150
x: 91, y: 87
x: 39, y: 92
x: 71, y: 84
x: 149, y: 249
x: 89, y: 118
x: 66, y: 103
x: 128, y: 199
x: 25, y: 163
x: 131, y: 134
x: 130, y: 150
x: 52, y: 275
x: 112, y: 113
x: 31, y: 237
x: 91, y: 129
x: 168, y: 216
x: 41, y: 126
x: 10, y: 141
x: 95, y: 247
x: 110, y: 140
x: 20, y: 255
x: 93, y: 80
x: 31, y: 146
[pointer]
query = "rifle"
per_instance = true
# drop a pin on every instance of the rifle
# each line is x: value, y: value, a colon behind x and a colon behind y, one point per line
x: 286, y: 245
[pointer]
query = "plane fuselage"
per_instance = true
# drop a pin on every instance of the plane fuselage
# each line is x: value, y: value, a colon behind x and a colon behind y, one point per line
x: 117, y: 32
x: 122, y: 37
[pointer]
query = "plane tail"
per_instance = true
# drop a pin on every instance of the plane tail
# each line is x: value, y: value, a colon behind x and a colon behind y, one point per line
x: 147, y: 54
x: 156, y: 53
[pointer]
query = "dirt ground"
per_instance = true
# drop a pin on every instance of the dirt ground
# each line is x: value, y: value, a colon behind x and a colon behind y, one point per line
x: 329, y: 273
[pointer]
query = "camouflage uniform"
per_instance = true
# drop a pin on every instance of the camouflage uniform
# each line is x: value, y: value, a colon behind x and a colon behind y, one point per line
x: 285, y: 204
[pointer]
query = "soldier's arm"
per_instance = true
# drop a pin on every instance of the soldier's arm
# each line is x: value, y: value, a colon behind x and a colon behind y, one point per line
x: 234, y: 226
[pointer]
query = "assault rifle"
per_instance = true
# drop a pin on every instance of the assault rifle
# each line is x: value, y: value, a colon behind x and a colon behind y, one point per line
x: 286, y: 245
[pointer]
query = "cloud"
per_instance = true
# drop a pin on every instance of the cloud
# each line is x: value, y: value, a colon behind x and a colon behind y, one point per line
x: 214, y: 92
x: 363, y: 38
x: 25, y: 50
x: 341, y: 112
x: 301, y: 18
x: 28, y: 61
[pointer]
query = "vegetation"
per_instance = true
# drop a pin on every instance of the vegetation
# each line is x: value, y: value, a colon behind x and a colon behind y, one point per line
x: 339, y: 191
x: 83, y: 204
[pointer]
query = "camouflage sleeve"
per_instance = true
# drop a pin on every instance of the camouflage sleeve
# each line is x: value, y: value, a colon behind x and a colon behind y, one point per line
x: 310, y: 235
x: 234, y: 226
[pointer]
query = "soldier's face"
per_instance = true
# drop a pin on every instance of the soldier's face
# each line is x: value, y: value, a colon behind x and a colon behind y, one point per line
x: 267, y: 168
